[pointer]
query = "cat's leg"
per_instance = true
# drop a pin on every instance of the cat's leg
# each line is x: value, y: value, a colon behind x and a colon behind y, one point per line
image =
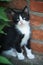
x: 19, y: 52
x: 29, y: 51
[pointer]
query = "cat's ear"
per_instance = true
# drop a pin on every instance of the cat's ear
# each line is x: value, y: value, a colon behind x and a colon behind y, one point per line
x: 10, y: 11
x: 26, y: 10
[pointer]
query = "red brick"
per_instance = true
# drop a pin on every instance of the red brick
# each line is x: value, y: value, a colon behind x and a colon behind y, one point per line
x: 37, y: 47
x: 19, y: 4
x: 37, y: 34
x: 36, y: 6
x: 35, y: 17
x: 35, y: 23
x: 36, y: 20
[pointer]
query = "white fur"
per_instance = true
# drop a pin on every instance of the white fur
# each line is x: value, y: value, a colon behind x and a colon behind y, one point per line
x: 24, y: 28
x: 11, y: 52
x: 20, y: 56
x: 29, y: 53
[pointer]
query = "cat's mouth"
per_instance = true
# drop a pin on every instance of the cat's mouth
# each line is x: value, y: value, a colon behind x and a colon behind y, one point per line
x: 21, y: 23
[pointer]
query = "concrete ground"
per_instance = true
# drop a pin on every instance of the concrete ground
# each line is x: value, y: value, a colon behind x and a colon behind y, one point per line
x: 37, y: 61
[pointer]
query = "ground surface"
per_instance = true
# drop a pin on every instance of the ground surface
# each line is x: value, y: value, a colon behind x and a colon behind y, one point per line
x: 37, y: 61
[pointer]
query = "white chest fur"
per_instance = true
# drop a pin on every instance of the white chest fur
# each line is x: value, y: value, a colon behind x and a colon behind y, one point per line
x: 24, y: 29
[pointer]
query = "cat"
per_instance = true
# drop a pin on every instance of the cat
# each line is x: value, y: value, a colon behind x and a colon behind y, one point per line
x: 18, y: 35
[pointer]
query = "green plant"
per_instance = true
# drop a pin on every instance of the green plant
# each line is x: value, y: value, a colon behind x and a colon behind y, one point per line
x: 4, y: 61
x: 3, y: 19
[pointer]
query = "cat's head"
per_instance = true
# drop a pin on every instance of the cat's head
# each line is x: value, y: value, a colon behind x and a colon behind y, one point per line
x: 20, y: 16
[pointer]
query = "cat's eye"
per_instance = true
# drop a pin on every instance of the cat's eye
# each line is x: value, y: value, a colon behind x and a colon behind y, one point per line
x: 24, y: 18
x: 17, y: 19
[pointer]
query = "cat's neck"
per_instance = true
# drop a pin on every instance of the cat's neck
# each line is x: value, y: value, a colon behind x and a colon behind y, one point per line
x: 24, y: 29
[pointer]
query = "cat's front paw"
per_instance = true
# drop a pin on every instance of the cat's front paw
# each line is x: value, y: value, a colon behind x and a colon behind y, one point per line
x: 29, y: 53
x: 20, y: 56
x: 31, y: 56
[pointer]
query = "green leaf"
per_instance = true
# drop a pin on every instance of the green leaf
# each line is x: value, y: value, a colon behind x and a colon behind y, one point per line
x: 2, y: 26
x: 4, y: 60
x: 3, y: 15
x: 2, y: 32
x: 3, y: 19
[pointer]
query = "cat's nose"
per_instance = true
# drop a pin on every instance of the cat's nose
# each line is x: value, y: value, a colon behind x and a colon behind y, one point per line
x: 21, y: 23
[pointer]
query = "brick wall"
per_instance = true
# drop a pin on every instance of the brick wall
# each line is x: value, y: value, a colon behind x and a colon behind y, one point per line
x: 19, y: 4
x: 36, y: 19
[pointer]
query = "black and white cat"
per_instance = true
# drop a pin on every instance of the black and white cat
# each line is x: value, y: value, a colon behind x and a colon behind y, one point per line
x: 18, y: 35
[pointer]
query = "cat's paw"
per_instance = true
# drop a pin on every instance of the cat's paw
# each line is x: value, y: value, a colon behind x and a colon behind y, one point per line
x: 29, y: 53
x: 30, y: 56
x: 20, y: 56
